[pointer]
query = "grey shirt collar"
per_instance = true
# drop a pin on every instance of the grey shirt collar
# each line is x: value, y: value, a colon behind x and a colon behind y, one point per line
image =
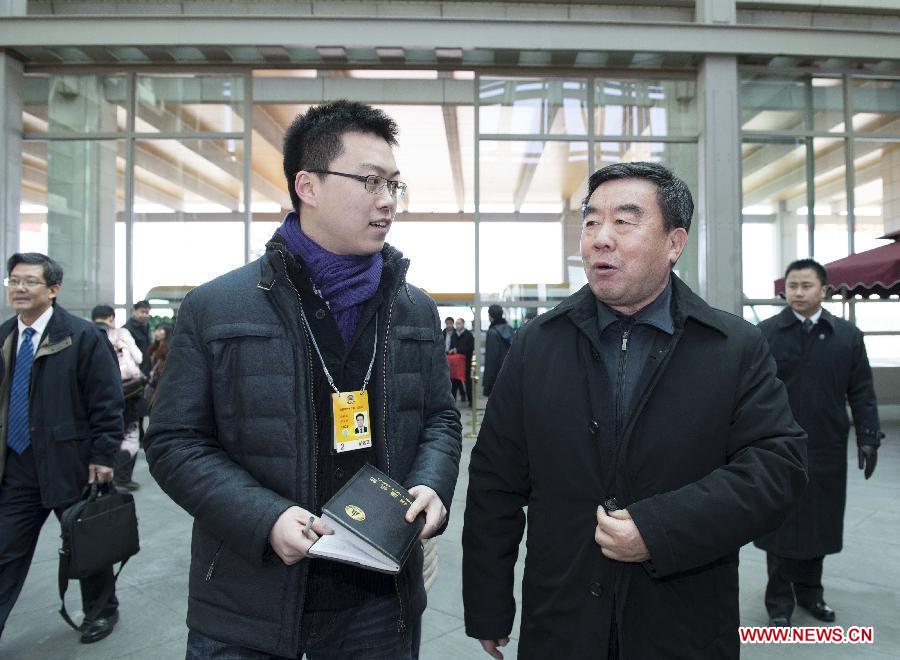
x: 658, y: 313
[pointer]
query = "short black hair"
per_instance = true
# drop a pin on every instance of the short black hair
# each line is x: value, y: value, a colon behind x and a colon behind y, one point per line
x: 53, y: 272
x: 803, y: 264
x: 102, y: 312
x: 449, y: 318
x: 314, y: 139
x: 140, y: 304
x: 358, y: 415
x: 495, y: 311
x: 672, y: 194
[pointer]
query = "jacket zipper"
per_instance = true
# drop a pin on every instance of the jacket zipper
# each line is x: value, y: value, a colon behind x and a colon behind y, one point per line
x: 315, y: 421
x: 401, y: 624
x: 620, y: 383
x: 215, y: 559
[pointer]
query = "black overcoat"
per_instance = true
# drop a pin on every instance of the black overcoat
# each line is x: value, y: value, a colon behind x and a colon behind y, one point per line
x: 711, y: 459
x: 75, y: 403
x: 823, y: 371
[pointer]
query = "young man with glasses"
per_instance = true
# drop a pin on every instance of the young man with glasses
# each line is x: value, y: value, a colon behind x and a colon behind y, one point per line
x: 266, y: 361
x: 60, y: 426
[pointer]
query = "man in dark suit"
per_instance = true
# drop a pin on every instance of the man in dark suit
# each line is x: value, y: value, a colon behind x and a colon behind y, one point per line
x: 463, y: 342
x: 822, y: 361
x: 61, y: 399
x: 360, y: 424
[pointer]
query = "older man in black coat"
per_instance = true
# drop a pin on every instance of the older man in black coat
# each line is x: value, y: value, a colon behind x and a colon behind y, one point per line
x: 60, y: 426
x: 822, y: 361
x: 648, y: 437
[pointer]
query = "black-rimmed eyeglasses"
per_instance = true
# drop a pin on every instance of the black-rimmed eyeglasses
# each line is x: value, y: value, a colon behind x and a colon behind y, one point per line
x: 374, y: 184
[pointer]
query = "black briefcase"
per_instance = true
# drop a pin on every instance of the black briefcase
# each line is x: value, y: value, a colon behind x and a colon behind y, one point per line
x: 98, y: 531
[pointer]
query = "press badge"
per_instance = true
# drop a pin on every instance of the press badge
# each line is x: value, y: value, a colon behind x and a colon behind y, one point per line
x: 350, y: 420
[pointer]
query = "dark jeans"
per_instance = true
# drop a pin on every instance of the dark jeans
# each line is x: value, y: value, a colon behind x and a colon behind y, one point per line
x: 790, y: 578
x: 366, y: 632
x: 21, y: 517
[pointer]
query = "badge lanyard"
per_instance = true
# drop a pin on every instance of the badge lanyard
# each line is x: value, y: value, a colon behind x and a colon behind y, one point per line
x: 351, y: 421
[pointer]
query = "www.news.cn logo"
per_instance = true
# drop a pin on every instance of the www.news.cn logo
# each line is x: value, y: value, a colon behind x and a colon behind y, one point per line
x: 807, y: 635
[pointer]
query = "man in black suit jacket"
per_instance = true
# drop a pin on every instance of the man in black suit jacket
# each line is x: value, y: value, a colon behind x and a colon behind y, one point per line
x: 61, y: 401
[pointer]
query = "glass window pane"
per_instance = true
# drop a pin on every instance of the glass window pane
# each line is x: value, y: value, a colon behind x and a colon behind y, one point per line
x: 650, y: 108
x: 883, y: 350
x: 876, y: 105
x: 74, y: 103
x: 172, y: 256
x: 830, y: 208
x: 877, y: 190
x: 785, y: 103
x: 774, y: 211
x: 504, y: 277
x: 681, y: 158
x: 877, y: 316
x: 188, y: 195
x: 202, y: 177
x: 197, y: 103
x: 525, y: 106
x: 435, y: 156
x: 756, y: 313
x: 532, y: 177
x: 72, y: 196
x: 441, y: 254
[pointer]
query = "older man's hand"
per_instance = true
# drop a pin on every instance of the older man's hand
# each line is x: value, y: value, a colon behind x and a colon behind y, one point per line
x: 618, y: 536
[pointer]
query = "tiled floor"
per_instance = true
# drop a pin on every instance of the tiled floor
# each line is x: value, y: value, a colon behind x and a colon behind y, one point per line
x: 862, y: 583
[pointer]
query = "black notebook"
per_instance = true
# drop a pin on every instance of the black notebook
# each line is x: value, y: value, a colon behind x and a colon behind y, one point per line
x: 368, y: 518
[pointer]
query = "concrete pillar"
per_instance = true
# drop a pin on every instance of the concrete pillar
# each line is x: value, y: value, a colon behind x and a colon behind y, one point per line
x: 11, y: 91
x: 718, y: 212
x: 81, y: 193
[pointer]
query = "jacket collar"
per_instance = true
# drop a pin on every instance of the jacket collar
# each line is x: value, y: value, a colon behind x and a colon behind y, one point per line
x: 787, y: 319
x: 581, y: 307
x: 58, y: 327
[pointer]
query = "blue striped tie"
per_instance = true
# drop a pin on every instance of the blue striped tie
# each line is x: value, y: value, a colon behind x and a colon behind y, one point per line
x: 18, y: 436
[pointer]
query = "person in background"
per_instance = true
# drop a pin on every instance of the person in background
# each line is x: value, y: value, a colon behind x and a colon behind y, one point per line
x: 159, y: 352
x: 822, y: 360
x: 448, y: 333
x: 463, y: 342
x: 60, y: 426
x: 496, y: 345
x: 139, y: 327
x: 129, y: 357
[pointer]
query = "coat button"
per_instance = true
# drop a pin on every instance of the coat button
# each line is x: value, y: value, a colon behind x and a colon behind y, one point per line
x: 596, y: 589
x: 611, y: 504
x: 339, y: 473
x: 594, y: 426
x: 320, y: 314
x: 595, y: 354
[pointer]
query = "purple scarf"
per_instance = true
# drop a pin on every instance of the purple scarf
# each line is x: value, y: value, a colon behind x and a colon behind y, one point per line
x: 345, y: 282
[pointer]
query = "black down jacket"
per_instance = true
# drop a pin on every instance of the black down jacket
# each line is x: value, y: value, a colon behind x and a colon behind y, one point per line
x: 232, y: 439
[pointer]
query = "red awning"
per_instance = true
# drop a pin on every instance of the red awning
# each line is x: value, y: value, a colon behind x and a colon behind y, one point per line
x: 875, y: 271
